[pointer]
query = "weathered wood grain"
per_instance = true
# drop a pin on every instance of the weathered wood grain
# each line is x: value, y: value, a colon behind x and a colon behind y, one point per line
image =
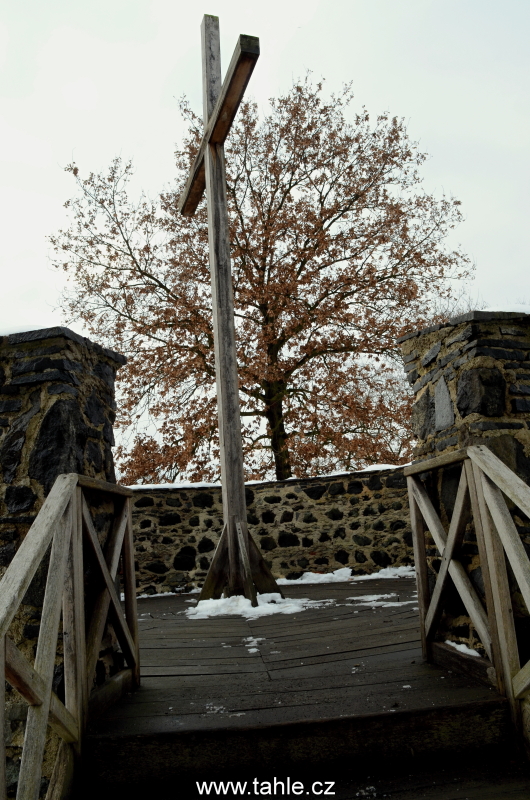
x: 507, y: 481
x: 37, y: 720
x: 455, y: 537
x: 510, y: 664
x: 20, y: 572
x: 457, y: 572
x: 435, y: 463
x: 120, y: 626
x: 486, y: 577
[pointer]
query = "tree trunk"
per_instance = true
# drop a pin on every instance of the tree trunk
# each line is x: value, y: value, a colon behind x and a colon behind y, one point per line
x: 278, y: 435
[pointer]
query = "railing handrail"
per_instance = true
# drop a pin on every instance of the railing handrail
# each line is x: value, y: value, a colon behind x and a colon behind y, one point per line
x: 62, y: 521
x: 483, y: 482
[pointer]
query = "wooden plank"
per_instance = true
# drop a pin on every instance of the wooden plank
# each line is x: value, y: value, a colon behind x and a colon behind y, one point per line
x: 28, y: 683
x: 129, y: 589
x: 37, y: 720
x: 220, y: 119
x: 3, y: 788
x: 420, y: 563
x: 103, y: 486
x: 501, y: 598
x: 18, y: 576
x: 435, y: 463
x: 509, y: 537
x: 456, y: 570
x: 501, y: 475
x: 486, y: 577
x: 62, y: 779
x: 455, y: 537
x: 122, y: 631
x: 246, y: 575
x: 521, y: 681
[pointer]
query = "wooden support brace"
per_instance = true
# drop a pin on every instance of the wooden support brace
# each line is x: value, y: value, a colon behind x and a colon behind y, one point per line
x: 101, y: 606
x: 26, y: 560
x: 248, y: 583
x: 28, y: 683
x: 217, y: 577
x: 122, y: 631
x: 455, y: 536
x: 456, y: 570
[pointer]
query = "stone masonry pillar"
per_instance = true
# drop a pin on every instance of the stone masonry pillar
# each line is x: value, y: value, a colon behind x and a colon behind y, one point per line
x: 471, y: 380
x: 56, y: 414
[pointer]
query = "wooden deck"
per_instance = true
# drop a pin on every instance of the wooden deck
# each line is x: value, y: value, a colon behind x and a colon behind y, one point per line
x: 345, y: 682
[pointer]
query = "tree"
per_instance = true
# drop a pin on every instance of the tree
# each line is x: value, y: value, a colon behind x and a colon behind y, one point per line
x: 336, y: 251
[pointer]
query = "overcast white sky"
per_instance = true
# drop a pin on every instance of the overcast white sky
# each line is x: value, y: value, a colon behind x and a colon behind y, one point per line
x: 86, y: 80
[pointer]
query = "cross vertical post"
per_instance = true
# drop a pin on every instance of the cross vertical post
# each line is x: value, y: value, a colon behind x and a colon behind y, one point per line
x: 231, y: 448
x: 238, y: 566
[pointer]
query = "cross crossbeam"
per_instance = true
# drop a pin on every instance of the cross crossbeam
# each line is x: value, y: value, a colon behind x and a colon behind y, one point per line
x: 241, y: 67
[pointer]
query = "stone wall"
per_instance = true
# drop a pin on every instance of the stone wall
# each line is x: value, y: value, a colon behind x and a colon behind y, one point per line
x: 56, y: 413
x: 359, y: 520
x: 471, y: 378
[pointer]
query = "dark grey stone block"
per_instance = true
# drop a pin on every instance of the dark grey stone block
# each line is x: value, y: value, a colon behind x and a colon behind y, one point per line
x: 481, y: 391
x: 44, y: 377
x: 520, y: 404
x: 431, y: 354
x: 286, y: 539
x: 19, y: 498
x: 495, y: 426
x: 315, y: 492
x: 62, y: 388
x: 60, y: 444
x: 11, y: 449
x: 10, y: 406
x: 467, y: 333
x: 519, y: 389
x: 449, y: 442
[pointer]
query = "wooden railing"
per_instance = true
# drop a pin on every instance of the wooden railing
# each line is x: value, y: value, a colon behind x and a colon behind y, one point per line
x: 63, y: 522
x: 484, y: 480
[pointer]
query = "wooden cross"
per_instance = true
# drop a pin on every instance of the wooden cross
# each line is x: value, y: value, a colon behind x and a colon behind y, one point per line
x: 237, y: 566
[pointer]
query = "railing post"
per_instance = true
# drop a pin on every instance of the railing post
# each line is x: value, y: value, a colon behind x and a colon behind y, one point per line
x: 486, y: 577
x: 502, y: 601
x: 74, y: 625
x: 420, y: 561
x: 129, y: 588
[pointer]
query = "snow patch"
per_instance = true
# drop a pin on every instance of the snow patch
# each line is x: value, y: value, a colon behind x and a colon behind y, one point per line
x: 138, y: 487
x: 463, y: 648
x: 344, y: 574
x: 240, y: 606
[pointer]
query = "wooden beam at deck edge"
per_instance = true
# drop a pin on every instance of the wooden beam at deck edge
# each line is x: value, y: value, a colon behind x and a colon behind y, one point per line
x: 241, y: 67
